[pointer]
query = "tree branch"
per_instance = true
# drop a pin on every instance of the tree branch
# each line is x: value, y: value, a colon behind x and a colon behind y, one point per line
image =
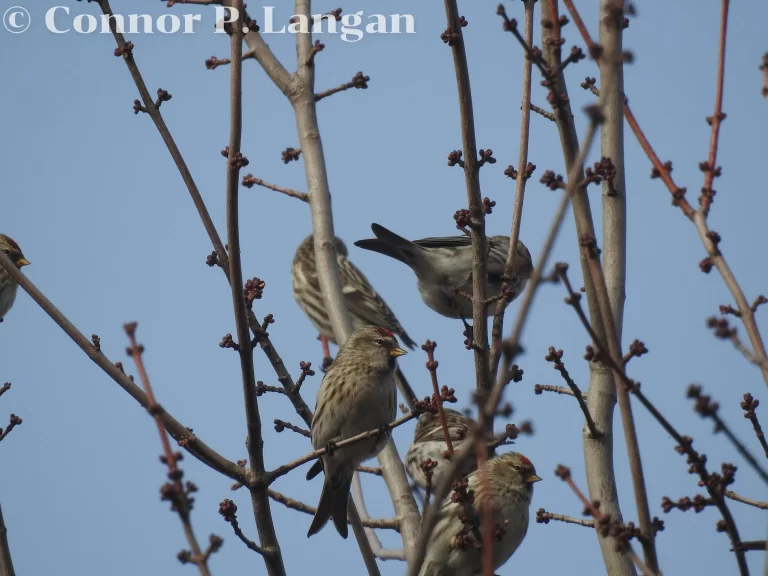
x: 453, y: 37
x: 6, y: 564
x: 178, y: 431
x: 270, y: 547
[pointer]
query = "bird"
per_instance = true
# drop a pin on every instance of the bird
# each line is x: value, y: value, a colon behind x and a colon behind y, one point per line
x: 8, y: 285
x: 365, y: 305
x: 429, y: 443
x: 357, y: 394
x: 443, y: 267
x: 452, y: 549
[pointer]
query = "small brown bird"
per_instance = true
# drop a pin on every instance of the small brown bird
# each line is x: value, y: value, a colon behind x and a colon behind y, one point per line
x: 429, y: 443
x: 453, y: 549
x: 444, y: 265
x: 8, y: 285
x: 365, y: 305
x: 358, y: 394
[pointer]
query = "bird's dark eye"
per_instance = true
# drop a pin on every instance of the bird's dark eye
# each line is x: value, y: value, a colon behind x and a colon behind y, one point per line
x: 379, y: 341
x: 516, y: 467
x: 6, y: 251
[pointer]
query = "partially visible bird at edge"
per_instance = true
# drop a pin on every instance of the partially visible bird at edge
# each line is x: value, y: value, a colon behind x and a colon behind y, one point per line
x: 9, y: 286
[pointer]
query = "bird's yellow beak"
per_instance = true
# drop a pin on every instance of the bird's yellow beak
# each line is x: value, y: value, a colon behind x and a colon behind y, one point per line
x: 22, y: 262
x: 532, y: 479
x: 397, y: 352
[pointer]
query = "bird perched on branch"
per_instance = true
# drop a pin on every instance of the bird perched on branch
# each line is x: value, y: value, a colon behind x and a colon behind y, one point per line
x: 429, y: 444
x: 8, y: 285
x: 455, y: 545
x: 365, y: 305
x: 443, y: 267
x: 358, y: 394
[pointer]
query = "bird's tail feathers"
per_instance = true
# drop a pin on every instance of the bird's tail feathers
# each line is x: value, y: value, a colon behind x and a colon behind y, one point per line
x: 339, y: 512
x: 316, y: 468
x: 333, y: 504
x: 390, y: 244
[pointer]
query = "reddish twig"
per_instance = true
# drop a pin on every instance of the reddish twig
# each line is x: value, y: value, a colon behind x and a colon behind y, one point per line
x: 685, y: 443
x: 429, y: 348
x: 175, y: 492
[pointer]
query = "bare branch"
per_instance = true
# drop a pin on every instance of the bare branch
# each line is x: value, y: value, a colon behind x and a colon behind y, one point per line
x: 249, y: 180
x: 454, y: 38
x: 539, y: 388
x: 520, y: 181
x: 544, y: 517
x: 178, y: 431
x: 757, y: 504
x: 555, y: 356
x: 749, y: 405
x: 228, y: 510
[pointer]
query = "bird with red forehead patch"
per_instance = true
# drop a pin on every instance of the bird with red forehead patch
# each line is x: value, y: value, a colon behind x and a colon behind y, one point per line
x: 511, y: 477
x: 358, y: 394
x: 9, y: 286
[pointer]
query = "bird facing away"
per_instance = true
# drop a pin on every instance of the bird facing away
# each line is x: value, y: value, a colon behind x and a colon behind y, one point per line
x: 443, y: 266
x: 358, y: 394
x: 365, y: 306
x: 8, y: 285
x: 429, y: 443
x: 510, y: 478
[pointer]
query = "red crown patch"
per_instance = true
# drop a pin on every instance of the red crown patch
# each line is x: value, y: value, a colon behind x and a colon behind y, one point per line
x: 525, y: 460
x: 385, y: 332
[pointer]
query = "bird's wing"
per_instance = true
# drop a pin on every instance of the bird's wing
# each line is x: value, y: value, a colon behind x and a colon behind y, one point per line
x: 365, y: 303
x: 444, y: 242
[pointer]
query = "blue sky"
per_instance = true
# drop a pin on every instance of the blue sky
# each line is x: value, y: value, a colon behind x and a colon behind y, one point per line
x: 91, y: 194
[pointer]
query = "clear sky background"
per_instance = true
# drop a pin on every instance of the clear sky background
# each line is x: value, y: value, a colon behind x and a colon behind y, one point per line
x: 92, y: 196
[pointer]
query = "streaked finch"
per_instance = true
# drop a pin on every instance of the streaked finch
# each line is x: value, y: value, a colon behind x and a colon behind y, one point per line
x: 365, y: 305
x: 429, y: 444
x: 453, y: 549
x: 358, y: 394
x: 8, y: 285
x: 444, y: 265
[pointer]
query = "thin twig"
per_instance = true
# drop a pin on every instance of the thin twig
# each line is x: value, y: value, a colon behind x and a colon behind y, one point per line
x: 175, y: 492
x: 228, y: 510
x: 555, y: 356
x: 249, y: 180
x: 384, y: 524
x: 715, y: 256
x: 738, y: 498
x: 539, y: 388
x: 600, y: 518
x: 711, y: 169
x: 520, y: 181
x: 270, y: 548
x: 548, y: 115
x: 749, y: 405
x: 544, y: 517
x: 453, y: 36
x: 764, y: 68
x: 685, y: 443
x: 269, y: 477
x: 429, y: 348
x: 178, y: 431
